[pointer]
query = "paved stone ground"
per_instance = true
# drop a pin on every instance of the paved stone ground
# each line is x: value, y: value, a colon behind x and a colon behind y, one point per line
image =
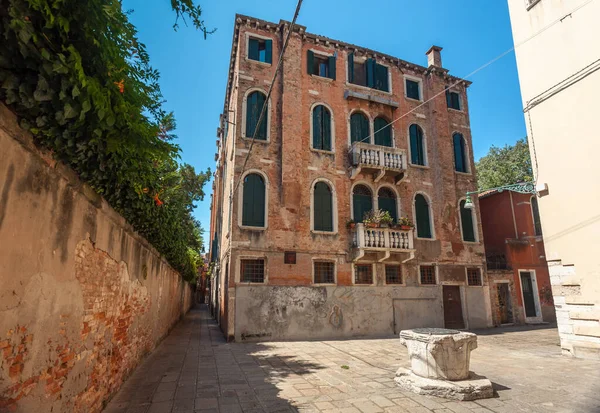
x: 195, y: 371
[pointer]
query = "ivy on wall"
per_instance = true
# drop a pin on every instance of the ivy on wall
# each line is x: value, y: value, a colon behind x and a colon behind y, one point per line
x: 80, y: 81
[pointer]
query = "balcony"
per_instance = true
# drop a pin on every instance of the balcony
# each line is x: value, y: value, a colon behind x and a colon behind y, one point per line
x: 382, y: 241
x: 378, y: 160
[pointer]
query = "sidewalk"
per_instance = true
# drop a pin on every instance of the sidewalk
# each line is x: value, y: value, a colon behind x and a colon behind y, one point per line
x: 195, y: 371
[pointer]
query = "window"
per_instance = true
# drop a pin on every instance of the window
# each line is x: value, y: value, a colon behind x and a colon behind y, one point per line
x: 253, y: 201
x: 473, y: 276
x: 359, y: 127
x: 254, y: 105
x: 466, y: 221
x: 362, y: 202
x: 387, y: 202
x: 393, y: 274
x: 383, y: 132
x: 452, y: 100
x: 253, y: 270
x: 427, y: 274
x: 417, y: 147
x: 413, y: 89
x: 319, y: 65
x: 324, y: 272
x: 363, y: 274
x: 460, y: 158
x: 323, y: 207
x: 537, y: 224
x: 423, y: 217
x: 260, y: 49
x: 368, y: 73
x: 321, y: 127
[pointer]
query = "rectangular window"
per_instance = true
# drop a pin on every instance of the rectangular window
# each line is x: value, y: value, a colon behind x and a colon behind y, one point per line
x: 324, y: 272
x: 412, y: 89
x: 363, y: 274
x: 360, y: 74
x: 320, y: 65
x: 260, y: 49
x: 368, y: 73
x: 453, y: 100
x: 474, y: 276
x: 427, y: 274
x: 393, y: 274
x: 253, y: 270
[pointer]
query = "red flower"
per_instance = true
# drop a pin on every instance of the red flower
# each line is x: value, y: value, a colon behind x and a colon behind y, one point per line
x: 157, y: 201
x: 121, y: 85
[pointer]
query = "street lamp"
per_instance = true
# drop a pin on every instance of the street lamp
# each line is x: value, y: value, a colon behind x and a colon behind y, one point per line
x: 523, y: 188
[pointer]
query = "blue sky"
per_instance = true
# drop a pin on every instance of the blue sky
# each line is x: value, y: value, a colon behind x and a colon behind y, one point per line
x: 472, y: 32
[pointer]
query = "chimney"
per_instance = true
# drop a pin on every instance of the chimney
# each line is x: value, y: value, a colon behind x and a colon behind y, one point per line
x: 434, y: 56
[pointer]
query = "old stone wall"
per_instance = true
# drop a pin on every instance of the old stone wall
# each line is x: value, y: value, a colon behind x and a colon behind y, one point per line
x: 82, y: 297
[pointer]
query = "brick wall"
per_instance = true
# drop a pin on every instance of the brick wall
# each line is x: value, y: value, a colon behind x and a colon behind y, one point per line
x: 82, y: 297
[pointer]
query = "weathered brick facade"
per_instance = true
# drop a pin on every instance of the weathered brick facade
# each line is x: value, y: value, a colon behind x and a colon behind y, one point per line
x: 289, y: 304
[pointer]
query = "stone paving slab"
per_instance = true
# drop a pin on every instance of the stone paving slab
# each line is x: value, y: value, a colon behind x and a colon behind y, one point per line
x: 194, y: 370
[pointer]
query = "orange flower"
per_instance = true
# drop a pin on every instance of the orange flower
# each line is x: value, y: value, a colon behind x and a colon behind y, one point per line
x: 121, y: 85
x: 157, y: 201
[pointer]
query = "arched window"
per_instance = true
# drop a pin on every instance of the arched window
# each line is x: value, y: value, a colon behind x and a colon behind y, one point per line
x: 387, y: 202
x: 359, y: 128
x: 254, y: 104
x: 460, y: 158
x: 323, y: 207
x: 362, y: 202
x: 253, y: 206
x: 537, y: 223
x: 422, y: 217
x: 417, y: 145
x: 383, y: 132
x: 321, y: 124
x: 466, y: 222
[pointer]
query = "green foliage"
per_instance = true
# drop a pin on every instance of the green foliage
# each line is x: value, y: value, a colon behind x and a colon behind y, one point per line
x: 78, y: 78
x: 504, y: 166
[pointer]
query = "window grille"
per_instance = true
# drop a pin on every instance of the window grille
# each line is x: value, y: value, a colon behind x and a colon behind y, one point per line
x: 428, y: 275
x: 253, y: 270
x: 324, y: 272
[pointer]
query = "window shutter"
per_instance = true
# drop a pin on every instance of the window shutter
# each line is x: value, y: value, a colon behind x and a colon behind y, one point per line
x: 466, y: 218
x: 331, y: 61
x: 389, y: 205
x: 459, y: 153
x: 317, y: 131
x: 422, y: 217
x: 364, y: 130
x: 253, y: 49
x: 253, y: 202
x: 351, y: 67
x: 383, y: 137
x: 326, y: 129
x: 381, y: 77
x: 251, y: 116
x: 355, y: 127
x: 370, y: 72
x: 323, y: 218
x: 361, y: 205
x: 417, y: 155
x: 268, y: 50
x: 310, y: 62
x: 262, y: 128
x: 448, y: 99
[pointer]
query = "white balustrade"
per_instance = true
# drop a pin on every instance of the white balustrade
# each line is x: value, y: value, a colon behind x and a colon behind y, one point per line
x: 382, y: 238
x: 379, y: 156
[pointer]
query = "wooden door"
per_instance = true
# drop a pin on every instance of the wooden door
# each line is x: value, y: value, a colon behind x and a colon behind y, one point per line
x: 504, y: 304
x: 453, y: 316
x: 528, y: 300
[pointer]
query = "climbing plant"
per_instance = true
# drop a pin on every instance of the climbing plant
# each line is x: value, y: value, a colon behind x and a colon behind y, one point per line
x: 79, y: 79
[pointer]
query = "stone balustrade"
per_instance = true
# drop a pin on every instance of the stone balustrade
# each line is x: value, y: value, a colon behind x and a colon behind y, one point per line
x: 383, y: 239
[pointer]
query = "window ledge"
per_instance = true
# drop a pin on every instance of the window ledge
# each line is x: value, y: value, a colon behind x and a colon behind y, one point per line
x: 326, y: 79
x: 258, y: 61
x: 323, y: 151
x: 251, y: 283
x: 456, y: 110
x: 363, y: 285
x: 394, y: 285
x: 249, y: 228
x: 426, y: 239
x: 256, y: 140
x: 367, y: 88
x: 324, y: 284
x: 413, y: 99
x: 463, y: 173
x: 428, y: 285
x: 420, y: 166
x: 323, y: 232
x: 471, y: 242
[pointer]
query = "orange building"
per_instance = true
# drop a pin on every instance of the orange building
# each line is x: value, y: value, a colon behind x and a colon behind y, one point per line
x: 519, y: 281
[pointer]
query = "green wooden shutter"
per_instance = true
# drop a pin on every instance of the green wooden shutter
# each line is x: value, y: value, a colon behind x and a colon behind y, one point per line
x: 370, y: 72
x: 331, y: 61
x: 310, y: 62
x: 448, y: 99
x: 422, y: 217
x: 389, y: 205
x: 253, y: 49
x: 417, y: 155
x: 383, y: 136
x: 323, y: 211
x: 364, y: 129
x: 262, y: 128
x: 253, y: 202
x: 361, y: 204
x: 317, y: 130
x: 251, y: 113
x: 355, y: 127
x: 381, y: 78
x: 466, y: 218
x: 268, y: 51
x: 351, y: 67
x: 326, y: 128
x: 459, y: 153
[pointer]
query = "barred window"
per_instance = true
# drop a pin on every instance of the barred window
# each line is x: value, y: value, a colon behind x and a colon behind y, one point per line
x: 363, y: 274
x: 253, y: 270
x: 393, y: 274
x: 427, y: 274
x: 473, y: 276
x: 324, y: 272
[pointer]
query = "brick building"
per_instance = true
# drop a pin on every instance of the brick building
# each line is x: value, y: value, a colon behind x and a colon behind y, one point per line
x: 288, y: 261
x: 520, y: 287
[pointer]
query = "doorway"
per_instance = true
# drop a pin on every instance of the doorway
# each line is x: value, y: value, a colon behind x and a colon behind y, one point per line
x: 531, y: 300
x: 504, y: 303
x: 453, y: 316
